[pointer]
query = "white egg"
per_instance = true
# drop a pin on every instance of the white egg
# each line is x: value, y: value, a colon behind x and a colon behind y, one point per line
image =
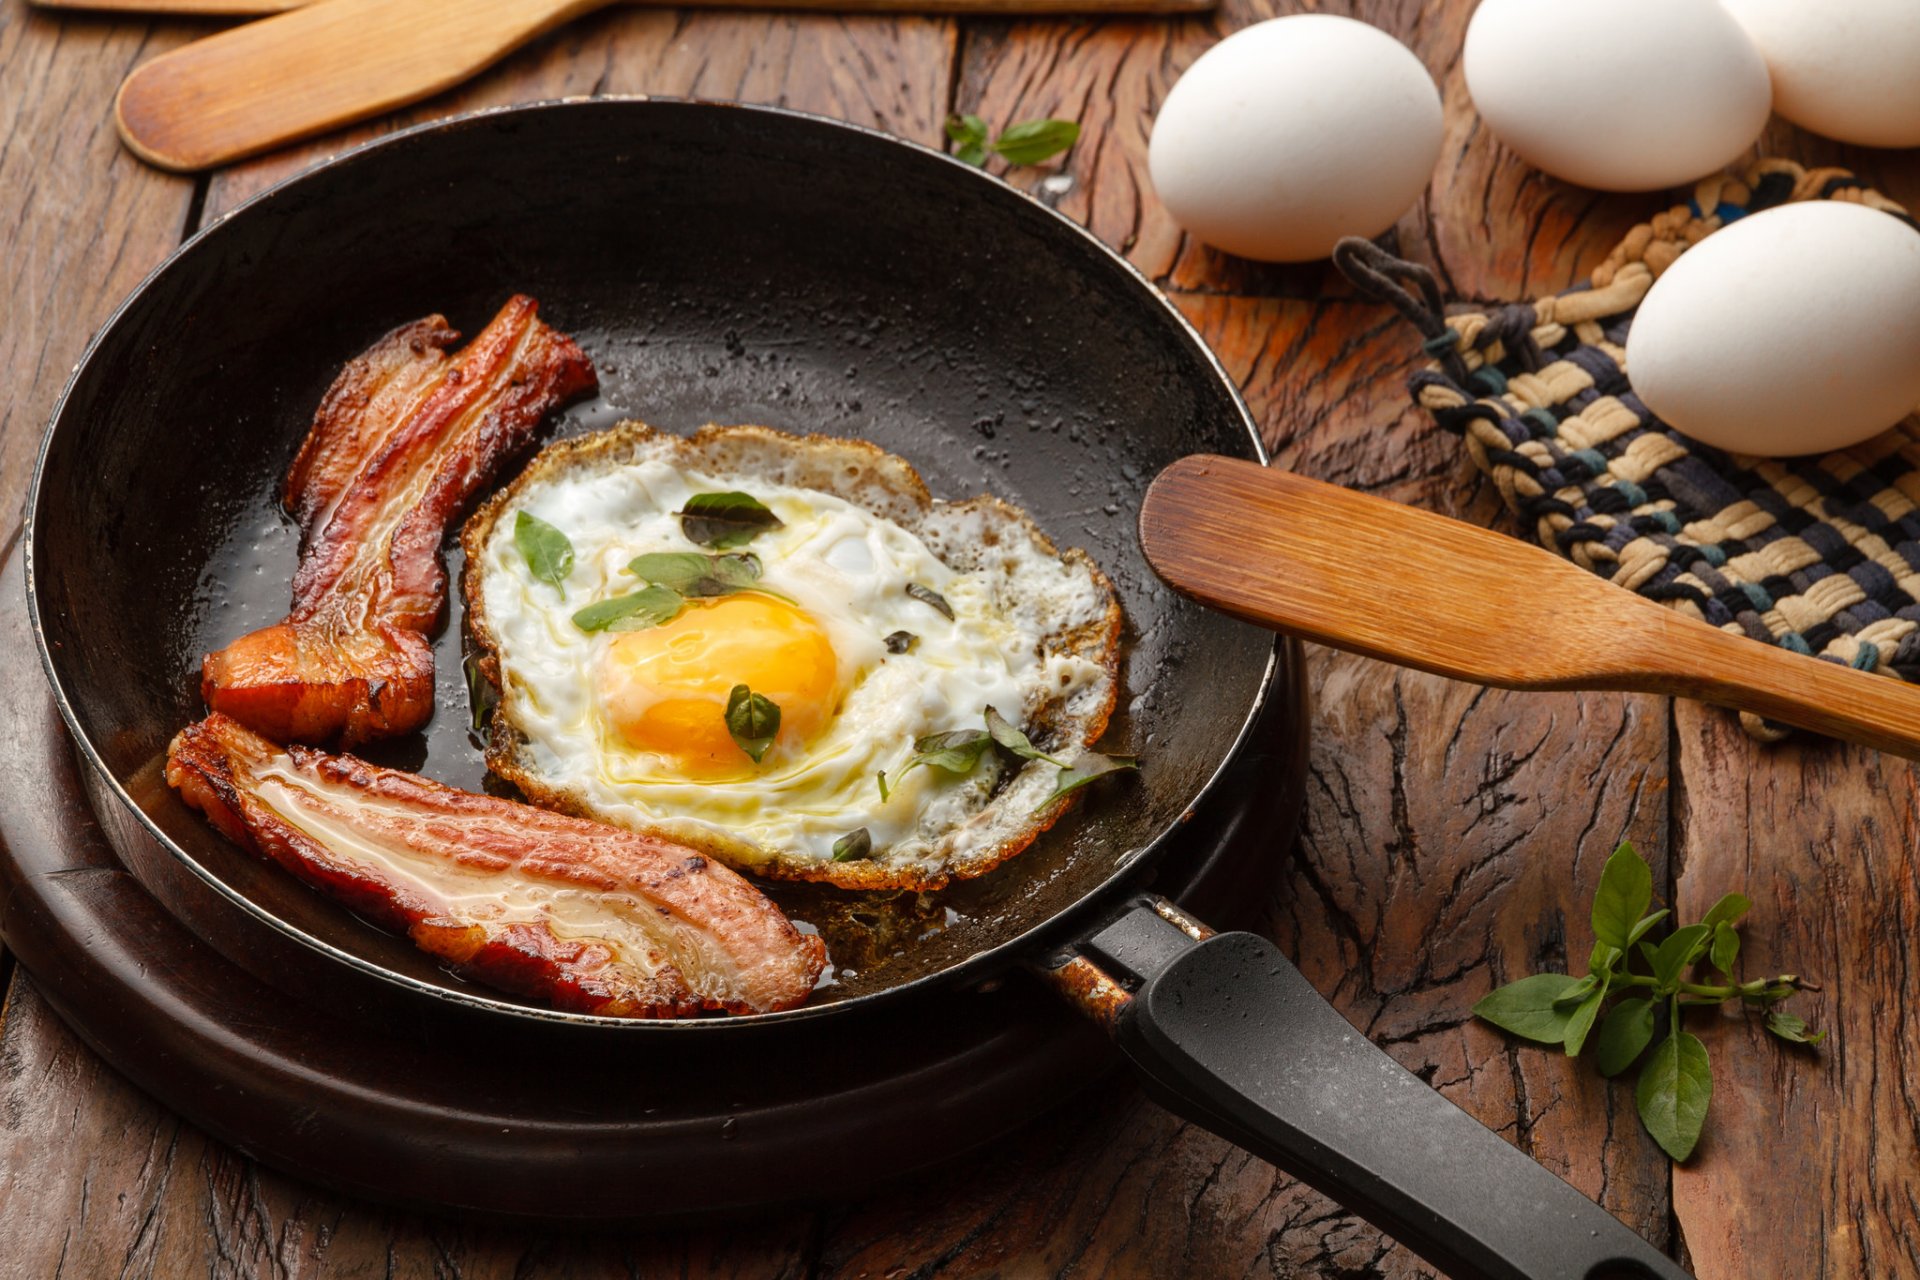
x: 1795, y: 330
x: 1622, y: 95
x: 1292, y: 133
x: 871, y: 616
x: 1849, y: 69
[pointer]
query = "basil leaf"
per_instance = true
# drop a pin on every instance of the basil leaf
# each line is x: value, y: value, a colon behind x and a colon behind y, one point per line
x: 693, y: 574
x: 1086, y: 767
x: 1035, y: 140
x: 1673, y: 1092
x: 1578, y: 991
x: 1726, y: 947
x: 674, y: 569
x: 1526, y: 1008
x: 1602, y: 959
x: 901, y: 642
x: 1792, y: 1028
x: 1647, y: 922
x: 958, y: 751
x: 753, y: 719
x: 480, y: 693
x: 636, y: 612
x: 1727, y: 910
x: 853, y: 846
x: 969, y: 134
x: 1624, y: 1035
x: 926, y: 595
x: 548, y: 552
x: 725, y: 520
x: 1626, y: 887
x: 1015, y: 741
x: 1676, y: 953
x: 1582, y: 1020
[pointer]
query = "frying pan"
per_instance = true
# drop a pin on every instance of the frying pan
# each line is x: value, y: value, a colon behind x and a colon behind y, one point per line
x: 724, y: 263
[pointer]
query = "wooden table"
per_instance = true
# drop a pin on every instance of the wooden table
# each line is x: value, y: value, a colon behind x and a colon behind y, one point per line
x: 1453, y: 836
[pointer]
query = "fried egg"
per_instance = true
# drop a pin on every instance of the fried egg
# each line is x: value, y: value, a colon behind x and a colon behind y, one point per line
x: 871, y: 615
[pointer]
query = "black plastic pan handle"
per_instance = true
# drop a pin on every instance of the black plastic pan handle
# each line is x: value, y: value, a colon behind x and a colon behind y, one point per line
x: 1225, y: 1031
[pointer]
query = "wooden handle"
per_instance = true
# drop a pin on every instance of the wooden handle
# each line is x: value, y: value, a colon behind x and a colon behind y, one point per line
x: 1005, y: 8
x: 1413, y: 588
x: 309, y: 70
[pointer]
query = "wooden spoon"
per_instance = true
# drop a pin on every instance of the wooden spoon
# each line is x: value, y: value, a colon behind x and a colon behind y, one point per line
x: 1417, y: 589
x: 330, y: 63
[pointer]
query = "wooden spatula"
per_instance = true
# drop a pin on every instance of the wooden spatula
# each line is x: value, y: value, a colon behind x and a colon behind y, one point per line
x: 333, y: 62
x: 1417, y: 589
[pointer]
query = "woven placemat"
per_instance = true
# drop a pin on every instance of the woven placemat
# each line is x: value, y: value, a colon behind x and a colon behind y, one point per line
x: 1820, y: 555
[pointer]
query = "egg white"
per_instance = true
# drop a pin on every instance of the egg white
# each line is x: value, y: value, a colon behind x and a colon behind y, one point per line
x: 1033, y: 635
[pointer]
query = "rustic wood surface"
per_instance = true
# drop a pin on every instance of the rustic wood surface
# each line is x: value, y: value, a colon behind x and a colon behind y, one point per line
x: 1453, y: 834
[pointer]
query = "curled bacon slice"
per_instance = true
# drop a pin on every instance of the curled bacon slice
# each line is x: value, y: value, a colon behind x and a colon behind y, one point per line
x: 585, y: 917
x: 402, y: 441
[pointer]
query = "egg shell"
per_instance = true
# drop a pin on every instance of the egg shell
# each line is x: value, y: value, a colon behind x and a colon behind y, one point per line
x: 1792, y: 331
x: 1293, y: 133
x: 1622, y: 95
x: 1849, y: 69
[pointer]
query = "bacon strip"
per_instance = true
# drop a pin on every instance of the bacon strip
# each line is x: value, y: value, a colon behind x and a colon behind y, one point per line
x: 582, y: 916
x: 402, y: 441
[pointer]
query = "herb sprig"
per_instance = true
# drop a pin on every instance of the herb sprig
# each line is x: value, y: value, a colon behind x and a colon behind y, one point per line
x: 960, y: 751
x: 1676, y: 1079
x: 1028, y: 142
x: 673, y: 578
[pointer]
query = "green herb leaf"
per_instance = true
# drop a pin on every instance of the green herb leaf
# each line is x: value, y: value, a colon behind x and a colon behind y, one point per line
x: 636, y: 612
x: 1582, y: 1020
x: 957, y: 751
x: 1790, y: 1027
x: 1579, y: 991
x: 1011, y: 739
x: 1676, y: 952
x: 1034, y: 140
x: 969, y: 134
x: 548, y: 552
x: 1624, y: 1035
x: 753, y: 719
x: 1673, y: 1092
x: 693, y: 574
x: 854, y: 846
x: 1647, y: 952
x: 1602, y: 958
x: 926, y: 595
x: 1527, y: 1007
x: 901, y: 642
x: 1086, y: 767
x: 1727, y: 910
x: 1626, y: 887
x: 1726, y: 947
x: 725, y: 520
x: 1645, y: 923
x: 480, y: 693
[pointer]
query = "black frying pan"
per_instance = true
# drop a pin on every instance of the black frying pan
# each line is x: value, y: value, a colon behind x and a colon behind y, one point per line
x: 730, y: 264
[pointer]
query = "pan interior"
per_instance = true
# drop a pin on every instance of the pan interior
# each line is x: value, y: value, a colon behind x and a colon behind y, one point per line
x: 719, y: 264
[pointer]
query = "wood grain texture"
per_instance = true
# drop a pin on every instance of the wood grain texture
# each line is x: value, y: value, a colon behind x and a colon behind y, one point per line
x: 888, y: 72
x: 80, y: 221
x: 1454, y: 834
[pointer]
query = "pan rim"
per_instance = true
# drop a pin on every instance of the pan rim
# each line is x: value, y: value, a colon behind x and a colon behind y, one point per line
x: 999, y: 956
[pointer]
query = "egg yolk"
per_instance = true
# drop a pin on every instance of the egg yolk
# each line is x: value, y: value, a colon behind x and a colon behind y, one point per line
x: 665, y: 689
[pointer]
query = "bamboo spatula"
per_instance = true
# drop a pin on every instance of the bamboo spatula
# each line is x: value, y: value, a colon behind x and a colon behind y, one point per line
x: 332, y: 62
x: 1420, y: 590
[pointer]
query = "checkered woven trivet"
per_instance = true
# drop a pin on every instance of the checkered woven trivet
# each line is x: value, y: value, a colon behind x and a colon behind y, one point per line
x: 1817, y: 554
